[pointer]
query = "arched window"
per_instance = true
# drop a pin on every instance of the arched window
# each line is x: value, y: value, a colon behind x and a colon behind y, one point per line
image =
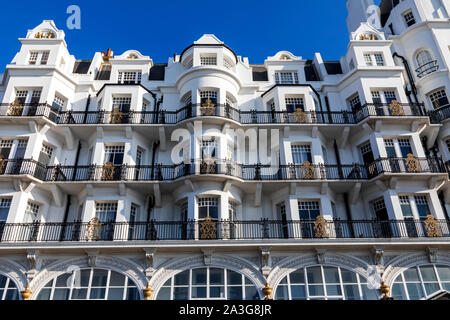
x: 208, y: 283
x: 8, y: 289
x: 90, y: 284
x: 421, y: 282
x: 426, y: 63
x: 324, y: 283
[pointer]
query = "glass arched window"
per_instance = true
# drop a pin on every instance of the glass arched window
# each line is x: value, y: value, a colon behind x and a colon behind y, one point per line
x: 208, y: 283
x: 426, y: 64
x: 90, y: 284
x: 324, y: 283
x: 8, y: 289
x: 421, y: 282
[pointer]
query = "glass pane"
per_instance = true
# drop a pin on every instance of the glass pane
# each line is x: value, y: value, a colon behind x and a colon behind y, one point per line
x: 444, y: 273
x: 115, y: 294
x: 84, y: 277
x: 131, y: 283
x: 369, y: 294
x: 61, y: 294
x: 234, y: 277
x: 44, y: 294
x: 251, y: 293
x: 234, y: 293
x: 348, y: 276
x: 198, y: 292
x: 12, y: 294
x: 411, y: 275
x: 314, y: 275
x: 415, y: 291
x: 3, y: 281
x: 316, y: 290
x: 63, y: 281
x: 297, y: 276
x: 182, y: 278
x: 446, y: 286
x: 79, y: 294
x: 298, y: 292
x: 398, y: 292
x: 217, y: 292
x: 431, y: 288
x: 216, y: 276
x: 116, y: 279
x: 334, y: 290
x: 163, y: 294
x: 132, y: 294
x: 331, y: 275
x: 199, y: 276
x: 97, y: 293
x: 282, y: 293
x: 351, y: 292
x: 428, y: 273
x: 100, y: 278
x: 168, y: 283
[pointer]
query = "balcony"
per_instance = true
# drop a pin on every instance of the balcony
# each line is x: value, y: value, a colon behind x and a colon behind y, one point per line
x: 439, y: 115
x: 208, y: 229
x: 199, y: 167
x: 29, y: 110
x: 427, y: 68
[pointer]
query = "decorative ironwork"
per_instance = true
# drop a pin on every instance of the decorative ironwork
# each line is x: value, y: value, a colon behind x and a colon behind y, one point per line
x: 15, y: 109
x: 396, y: 108
x: 208, y: 229
x: 368, y: 37
x: 432, y: 227
x: 207, y: 166
x: 93, y: 229
x: 208, y: 108
x: 116, y: 116
x: 412, y: 163
x: 108, y: 171
x: 2, y: 163
x: 299, y: 116
x: 321, y: 228
x: 307, y: 170
x: 267, y: 291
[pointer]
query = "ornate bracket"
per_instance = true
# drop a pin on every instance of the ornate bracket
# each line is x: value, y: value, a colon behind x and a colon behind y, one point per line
x: 92, y: 258
x: 321, y: 256
x: 34, y: 264
x: 432, y: 254
x: 266, y: 261
x: 207, y: 256
x: 150, y: 259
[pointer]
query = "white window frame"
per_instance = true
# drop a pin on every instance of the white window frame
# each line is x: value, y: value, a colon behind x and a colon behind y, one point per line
x: 286, y: 77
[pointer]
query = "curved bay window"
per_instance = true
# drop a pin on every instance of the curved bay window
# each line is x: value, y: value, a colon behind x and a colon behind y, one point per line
x: 324, y: 283
x: 8, y: 289
x: 208, y: 283
x: 208, y: 217
x: 208, y: 102
x: 421, y: 282
x: 90, y: 284
x: 120, y: 109
x: 426, y: 63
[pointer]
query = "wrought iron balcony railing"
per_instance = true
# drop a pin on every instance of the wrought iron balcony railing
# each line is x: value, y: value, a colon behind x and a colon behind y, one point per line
x: 256, y: 172
x: 440, y: 114
x: 427, y: 68
x: 210, y: 229
x: 221, y: 111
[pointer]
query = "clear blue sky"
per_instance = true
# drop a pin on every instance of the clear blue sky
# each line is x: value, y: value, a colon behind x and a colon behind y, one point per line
x: 254, y: 29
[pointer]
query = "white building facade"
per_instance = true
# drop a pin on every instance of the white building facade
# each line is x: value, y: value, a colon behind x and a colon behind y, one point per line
x: 121, y: 178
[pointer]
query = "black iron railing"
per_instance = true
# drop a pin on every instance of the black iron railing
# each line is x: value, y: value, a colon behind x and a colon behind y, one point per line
x: 440, y: 114
x: 160, y: 172
x: 199, y: 111
x: 427, y: 68
x: 223, y: 230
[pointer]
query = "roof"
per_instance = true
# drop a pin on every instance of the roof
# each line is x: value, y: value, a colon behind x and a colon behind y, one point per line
x: 311, y: 72
x: 157, y: 72
x: 104, y: 73
x: 81, y: 66
x: 333, y: 67
x: 259, y: 72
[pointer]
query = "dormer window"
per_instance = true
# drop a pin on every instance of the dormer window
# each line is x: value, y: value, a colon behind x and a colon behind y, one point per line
x: 33, y: 57
x: 38, y: 57
x: 44, y: 57
x: 208, y: 60
x: 286, y: 77
x: 409, y: 18
x: 129, y: 77
x: 373, y: 59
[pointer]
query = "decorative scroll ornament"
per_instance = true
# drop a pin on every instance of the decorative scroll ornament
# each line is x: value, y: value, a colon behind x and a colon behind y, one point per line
x: 267, y: 291
x: 396, y: 108
x: 321, y: 227
x: 26, y: 294
x: 93, y: 229
x: 307, y: 170
x: 15, y: 108
x: 412, y: 163
x: 132, y: 56
x: 208, y: 229
x: 116, y: 116
x: 208, y: 108
x: 368, y: 37
x: 207, y: 166
x: 43, y: 35
x: 299, y: 116
x: 108, y: 171
x: 148, y: 291
x: 432, y: 227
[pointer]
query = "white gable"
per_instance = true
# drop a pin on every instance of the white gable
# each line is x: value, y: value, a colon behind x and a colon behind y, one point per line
x: 208, y: 39
x: 46, y: 30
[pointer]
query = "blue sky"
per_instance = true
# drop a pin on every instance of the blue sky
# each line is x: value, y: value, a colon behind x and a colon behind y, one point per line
x: 254, y: 29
